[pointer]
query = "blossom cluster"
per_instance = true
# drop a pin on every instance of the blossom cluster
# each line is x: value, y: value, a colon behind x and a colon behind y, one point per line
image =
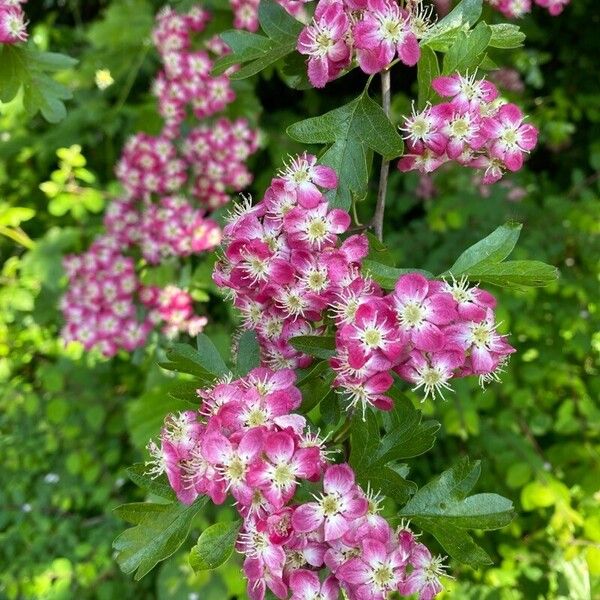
x: 375, y: 31
x: 13, y: 22
x: 282, y: 262
x: 246, y: 440
x: 474, y: 128
x: 289, y: 274
x: 170, y: 181
x: 515, y: 9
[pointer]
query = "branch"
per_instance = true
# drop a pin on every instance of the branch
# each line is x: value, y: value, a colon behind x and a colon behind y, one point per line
x: 385, y: 164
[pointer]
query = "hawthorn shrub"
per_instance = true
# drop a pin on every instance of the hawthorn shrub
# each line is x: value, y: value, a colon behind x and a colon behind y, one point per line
x: 352, y: 314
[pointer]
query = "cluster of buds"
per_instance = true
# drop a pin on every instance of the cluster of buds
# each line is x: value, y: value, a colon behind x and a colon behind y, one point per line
x: 154, y: 219
x: 515, y: 9
x: 377, y: 31
x: 13, y: 23
x: 100, y: 305
x: 245, y: 440
x: 173, y: 307
x: 217, y: 154
x: 289, y: 274
x: 282, y: 262
x: 245, y: 12
x: 474, y: 128
x: 171, y: 227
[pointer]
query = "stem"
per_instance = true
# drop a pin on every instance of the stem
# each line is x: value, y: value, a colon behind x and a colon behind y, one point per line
x: 385, y: 164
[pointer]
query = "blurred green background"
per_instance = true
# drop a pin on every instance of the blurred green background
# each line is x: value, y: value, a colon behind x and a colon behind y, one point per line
x: 70, y: 423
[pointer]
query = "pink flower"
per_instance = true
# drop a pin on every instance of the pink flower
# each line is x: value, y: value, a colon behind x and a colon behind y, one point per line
x: 315, y: 227
x: 425, y: 574
x: 324, y: 41
x: 277, y: 474
x: 305, y: 585
x: 383, y: 31
x: 13, y: 26
x: 421, y: 308
x: 512, y: 138
x: 376, y: 572
x: 338, y: 506
x: 303, y: 175
x: 466, y: 92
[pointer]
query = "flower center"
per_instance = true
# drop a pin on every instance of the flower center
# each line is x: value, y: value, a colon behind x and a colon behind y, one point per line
x: 411, y: 315
x: 510, y: 138
x: 283, y: 475
x: 330, y: 505
x: 316, y: 229
x: 460, y: 127
x: 371, y: 337
x: 256, y: 417
x: 317, y: 280
x: 392, y: 30
x: 236, y: 469
x: 481, y: 334
x: 382, y: 576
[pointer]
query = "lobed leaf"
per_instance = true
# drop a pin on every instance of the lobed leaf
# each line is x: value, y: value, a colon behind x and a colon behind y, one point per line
x: 443, y: 508
x: 319, y: 346
x: 159, y: 534
x: 468, y: 49
x: 248, y: 353
x: 351, y: 130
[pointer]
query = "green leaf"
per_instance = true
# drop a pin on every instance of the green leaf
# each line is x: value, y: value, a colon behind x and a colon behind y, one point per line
x: 443, y: 33
x: 248, y: 353
x: 315, y: 386
x: 364, y: 442
x: 215, y: 546
x: 258, y: 51
x: 155, y: 485
x: 516, y: 274
x: 387, y: 276
x: 206, y: 363
x: 428, y: 69
x: 158, y: 534
x: 13, y: 216
x: 506, y: 36
x: 23, y: 67
x: 319, y: 346
x: 209, y: 356
x: 493, y: 248
x: 467, y: 50
x: 136, y: 512
x: 483, y: 262
x: 443, y: 508
x: 351, y: 131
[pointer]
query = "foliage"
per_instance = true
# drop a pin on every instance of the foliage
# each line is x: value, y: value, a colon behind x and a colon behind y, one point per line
x: 71, y: 424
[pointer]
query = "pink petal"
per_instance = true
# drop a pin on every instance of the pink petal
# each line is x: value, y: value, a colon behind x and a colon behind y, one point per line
x: 446, y: 85
x: 325, y: 176
x: 429, y: 338
x: 304, y: 584
x: 307, y: 517
x: 279, y: 447
x: 338, y: 479
x: 335, y: 527
x: 354, y: 572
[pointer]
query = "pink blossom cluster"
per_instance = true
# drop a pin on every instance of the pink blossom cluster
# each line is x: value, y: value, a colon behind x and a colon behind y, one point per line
x: 245, y: 12
x: 426, y: 331
x: 100, y: 305
x: 175, y: 308
x: 245, y: 440
x: 153, y: 220
x: 376, y: 31
x: 282, y: 261
x: 171, y: 227
x: 186, y: 78
x: 217, y: 154
x: 515, y: 9
x: 289, y: 274
x: 473, y: 128
x: 13, y: 22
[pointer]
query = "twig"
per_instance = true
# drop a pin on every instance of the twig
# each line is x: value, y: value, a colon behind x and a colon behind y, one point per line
x: 385, y: 164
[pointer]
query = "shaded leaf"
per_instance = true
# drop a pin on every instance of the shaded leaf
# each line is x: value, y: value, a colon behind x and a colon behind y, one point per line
x: 467, y: 50
x: 215, y: 546
x: 351, y: 131
x: 248, y: 353
x: 319, y: 346
x: 387, y: 276
x: 154, y: 485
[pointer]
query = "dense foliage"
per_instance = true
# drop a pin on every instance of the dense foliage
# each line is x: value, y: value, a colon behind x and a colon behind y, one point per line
x: 73, y: 422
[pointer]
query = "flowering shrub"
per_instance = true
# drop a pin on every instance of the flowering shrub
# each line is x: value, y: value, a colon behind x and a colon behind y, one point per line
x: 309, y: 284
x: 515, y: 9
